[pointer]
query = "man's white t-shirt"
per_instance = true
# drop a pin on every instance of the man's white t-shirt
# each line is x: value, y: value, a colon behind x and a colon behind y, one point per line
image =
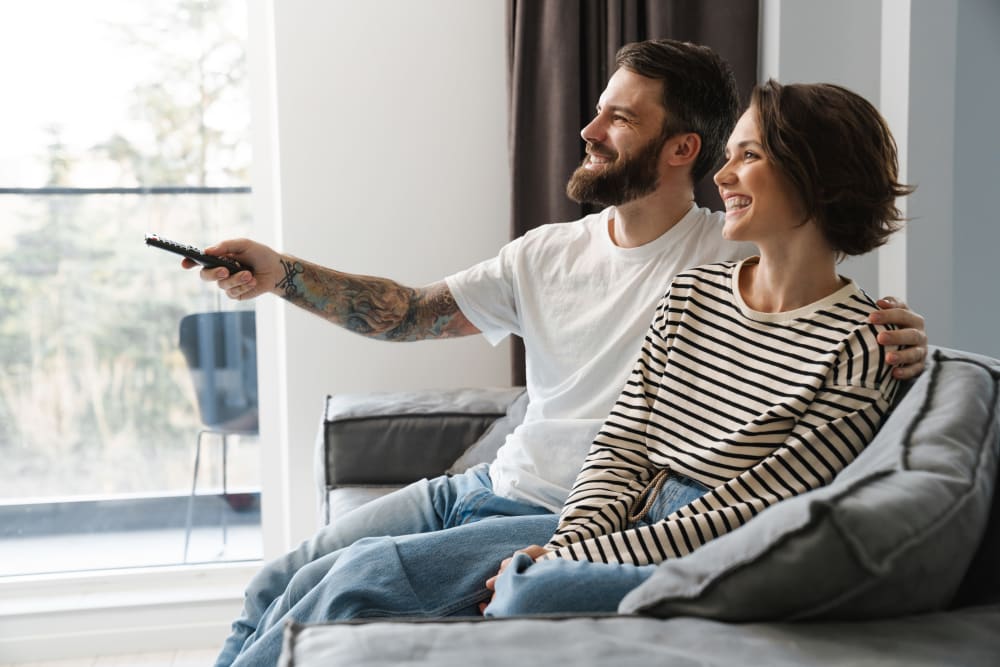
x: 582, y: 306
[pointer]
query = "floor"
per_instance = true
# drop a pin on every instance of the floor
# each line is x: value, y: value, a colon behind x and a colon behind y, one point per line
x: 203, y: 658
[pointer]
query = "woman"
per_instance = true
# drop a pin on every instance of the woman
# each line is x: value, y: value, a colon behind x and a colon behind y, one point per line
x: 758, y: 380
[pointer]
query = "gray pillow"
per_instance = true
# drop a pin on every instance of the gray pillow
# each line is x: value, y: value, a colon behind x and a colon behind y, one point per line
x: 893, y: 534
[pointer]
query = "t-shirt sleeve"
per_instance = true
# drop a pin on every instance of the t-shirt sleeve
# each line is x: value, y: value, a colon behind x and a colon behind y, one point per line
x: 487, y: 294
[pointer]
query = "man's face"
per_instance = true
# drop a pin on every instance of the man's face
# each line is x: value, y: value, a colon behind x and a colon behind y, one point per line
x: 624, y: 142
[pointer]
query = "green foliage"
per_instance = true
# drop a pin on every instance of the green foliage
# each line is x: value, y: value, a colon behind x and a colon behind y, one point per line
x: 94, y: 394
x: 193, y: 107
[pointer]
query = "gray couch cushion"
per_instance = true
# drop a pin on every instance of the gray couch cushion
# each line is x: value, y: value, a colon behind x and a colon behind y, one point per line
x: 893, y: 534
x: 392, y: 438
x: 968, y: 637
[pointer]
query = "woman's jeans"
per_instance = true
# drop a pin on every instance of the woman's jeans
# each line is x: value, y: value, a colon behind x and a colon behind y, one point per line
x: 562, y: 585
x: 316, y: 582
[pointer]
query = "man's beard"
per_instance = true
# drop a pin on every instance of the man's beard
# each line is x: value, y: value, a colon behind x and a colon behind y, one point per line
x: 621, y: 181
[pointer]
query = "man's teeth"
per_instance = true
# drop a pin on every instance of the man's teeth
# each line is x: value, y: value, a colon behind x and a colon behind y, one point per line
x: 735, y: 203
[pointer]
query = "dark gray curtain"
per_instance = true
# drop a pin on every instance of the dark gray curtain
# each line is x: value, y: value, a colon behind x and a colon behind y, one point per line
x: 560, y: 56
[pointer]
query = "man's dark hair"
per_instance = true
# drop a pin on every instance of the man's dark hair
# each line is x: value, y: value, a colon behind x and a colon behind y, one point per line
x: 699, y: 93
x: 840, y: 156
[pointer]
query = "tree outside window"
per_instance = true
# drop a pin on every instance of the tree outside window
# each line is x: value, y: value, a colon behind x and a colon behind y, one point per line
x: 130, y: 118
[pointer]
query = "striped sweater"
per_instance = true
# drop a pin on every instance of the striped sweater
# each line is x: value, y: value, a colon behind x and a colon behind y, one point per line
x: 756, y: 406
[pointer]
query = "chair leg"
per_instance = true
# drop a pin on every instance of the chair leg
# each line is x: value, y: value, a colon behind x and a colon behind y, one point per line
x: 225, y: 495
x: 194, y: 486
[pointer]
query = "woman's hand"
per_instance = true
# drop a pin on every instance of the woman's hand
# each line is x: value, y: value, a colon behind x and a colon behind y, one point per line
x: 534, y: 551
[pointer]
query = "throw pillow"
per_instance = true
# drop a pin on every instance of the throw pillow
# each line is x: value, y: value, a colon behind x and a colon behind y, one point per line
x: 893, y: 534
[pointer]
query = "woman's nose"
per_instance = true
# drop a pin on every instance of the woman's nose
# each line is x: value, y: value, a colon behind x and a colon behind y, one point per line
x: 724, y: 175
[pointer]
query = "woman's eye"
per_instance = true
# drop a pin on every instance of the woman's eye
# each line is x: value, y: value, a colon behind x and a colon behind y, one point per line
x: 749, y: 155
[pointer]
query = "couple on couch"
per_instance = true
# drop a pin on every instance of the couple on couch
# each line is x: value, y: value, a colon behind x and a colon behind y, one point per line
x: 760, y: 377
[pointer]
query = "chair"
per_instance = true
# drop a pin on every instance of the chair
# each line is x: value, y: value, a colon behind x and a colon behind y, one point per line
x: 221, y: 352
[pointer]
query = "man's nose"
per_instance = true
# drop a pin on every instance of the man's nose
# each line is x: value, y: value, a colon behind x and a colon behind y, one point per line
x: 594, y: 132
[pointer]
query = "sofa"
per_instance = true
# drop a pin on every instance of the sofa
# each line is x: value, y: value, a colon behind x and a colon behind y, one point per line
x: 896, y: 562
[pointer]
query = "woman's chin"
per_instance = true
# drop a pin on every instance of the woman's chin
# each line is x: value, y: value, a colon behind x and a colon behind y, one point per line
x: 732, y: 233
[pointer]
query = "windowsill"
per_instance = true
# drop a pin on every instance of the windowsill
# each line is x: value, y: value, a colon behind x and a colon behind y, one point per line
x: 106, y: 589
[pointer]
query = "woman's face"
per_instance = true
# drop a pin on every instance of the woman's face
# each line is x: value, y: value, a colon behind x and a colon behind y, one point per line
x: 761, y: 203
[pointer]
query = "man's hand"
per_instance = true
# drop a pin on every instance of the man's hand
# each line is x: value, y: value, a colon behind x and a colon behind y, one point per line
x: 534, y: 551
x: 266, y: 265
x: 909, y: 335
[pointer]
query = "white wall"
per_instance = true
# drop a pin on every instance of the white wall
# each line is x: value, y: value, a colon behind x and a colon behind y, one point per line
x: 380, y: 130
x: 977, y: 175
x: 931, y: 67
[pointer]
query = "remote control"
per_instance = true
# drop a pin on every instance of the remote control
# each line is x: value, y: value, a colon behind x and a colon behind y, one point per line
x: 195, y: 254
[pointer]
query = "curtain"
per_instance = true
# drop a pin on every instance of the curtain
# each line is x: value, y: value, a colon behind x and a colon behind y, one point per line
x: 560, y: 54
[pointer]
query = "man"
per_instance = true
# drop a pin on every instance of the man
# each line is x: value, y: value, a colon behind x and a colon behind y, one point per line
x: 580, y: 294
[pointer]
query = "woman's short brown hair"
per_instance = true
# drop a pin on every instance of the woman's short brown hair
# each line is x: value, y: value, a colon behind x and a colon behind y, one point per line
x: 838, y: 152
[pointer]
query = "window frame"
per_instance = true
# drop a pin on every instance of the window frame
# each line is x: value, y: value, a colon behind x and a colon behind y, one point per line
x: 48, y: 617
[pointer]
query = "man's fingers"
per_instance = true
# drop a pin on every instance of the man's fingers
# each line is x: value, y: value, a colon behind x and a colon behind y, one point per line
x: 230, y: 247
x: 907, y: 356
x: 211, y: 275
x: 908, y: 372
x: 907, y: 363
x: 891, y: 302
x: 909, y: 338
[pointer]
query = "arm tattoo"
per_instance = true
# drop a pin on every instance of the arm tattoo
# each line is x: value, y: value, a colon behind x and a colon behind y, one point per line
x: 431, y: 314
x: 374, y: 307
x: 406, y: 314
x: 287, y: 283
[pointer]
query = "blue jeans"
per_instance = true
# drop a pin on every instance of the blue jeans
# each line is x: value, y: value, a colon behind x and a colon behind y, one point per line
x: 432, y: 575
x: 562, y: 585
x: 421, y: 507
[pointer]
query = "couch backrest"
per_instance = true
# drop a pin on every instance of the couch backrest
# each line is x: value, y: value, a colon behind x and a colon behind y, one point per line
x: 981, y: 584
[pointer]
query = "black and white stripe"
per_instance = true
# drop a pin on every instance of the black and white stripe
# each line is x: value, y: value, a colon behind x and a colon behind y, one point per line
x: 758, y: 408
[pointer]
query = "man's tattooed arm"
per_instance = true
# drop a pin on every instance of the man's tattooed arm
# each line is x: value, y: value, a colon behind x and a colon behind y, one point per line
x: 374, y: 307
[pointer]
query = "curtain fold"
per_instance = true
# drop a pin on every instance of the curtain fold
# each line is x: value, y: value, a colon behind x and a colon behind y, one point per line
x: 560, y: 54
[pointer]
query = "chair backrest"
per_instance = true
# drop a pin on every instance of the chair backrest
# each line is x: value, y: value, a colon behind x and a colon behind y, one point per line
x: 221, y: 352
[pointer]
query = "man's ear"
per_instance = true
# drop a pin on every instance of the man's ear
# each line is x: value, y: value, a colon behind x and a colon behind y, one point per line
x: 683, y: 149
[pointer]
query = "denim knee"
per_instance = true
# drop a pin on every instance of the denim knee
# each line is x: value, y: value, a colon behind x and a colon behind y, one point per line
x: 309, y: 576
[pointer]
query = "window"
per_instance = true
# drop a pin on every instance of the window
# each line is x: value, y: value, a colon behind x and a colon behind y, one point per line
x: 122, y: 119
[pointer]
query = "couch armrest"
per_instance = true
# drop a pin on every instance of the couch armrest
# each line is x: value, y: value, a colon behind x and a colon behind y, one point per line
x: 391, y: 438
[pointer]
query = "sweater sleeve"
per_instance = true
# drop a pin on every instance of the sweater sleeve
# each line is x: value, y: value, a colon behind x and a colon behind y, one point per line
x: 837, y: 425
x: 617, y: 468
